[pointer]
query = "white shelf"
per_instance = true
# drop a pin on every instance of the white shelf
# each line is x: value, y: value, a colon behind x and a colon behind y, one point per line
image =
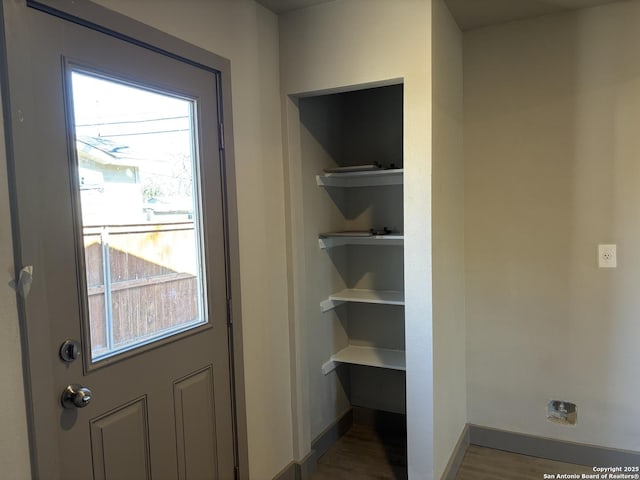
x: 367, y: 356
x: 387, y: 297
x: 383, y: 240
x: 370, y: 178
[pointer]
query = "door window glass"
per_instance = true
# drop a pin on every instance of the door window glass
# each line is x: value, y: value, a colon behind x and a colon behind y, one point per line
x: 137, y: 167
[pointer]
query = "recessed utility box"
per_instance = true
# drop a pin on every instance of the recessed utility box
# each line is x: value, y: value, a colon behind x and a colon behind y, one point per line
x: 564, y: 413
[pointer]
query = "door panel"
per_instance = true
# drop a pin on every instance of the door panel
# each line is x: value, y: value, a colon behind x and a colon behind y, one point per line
x: 120, y: 443
x: 195, y: 425
x: 141, y: 421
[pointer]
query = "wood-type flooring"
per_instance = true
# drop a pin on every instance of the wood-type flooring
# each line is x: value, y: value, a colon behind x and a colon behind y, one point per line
x: 364, y: 454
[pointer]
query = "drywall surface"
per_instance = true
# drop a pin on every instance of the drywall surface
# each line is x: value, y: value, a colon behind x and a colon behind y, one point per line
x: 14, y: 447
x: 336, y: 46
x: 247, y: 34
x: 329, y: 398
x: 449, y: 330
x: 552, y: 108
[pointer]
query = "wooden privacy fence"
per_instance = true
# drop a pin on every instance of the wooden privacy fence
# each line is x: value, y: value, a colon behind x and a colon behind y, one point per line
x: 142, y: 280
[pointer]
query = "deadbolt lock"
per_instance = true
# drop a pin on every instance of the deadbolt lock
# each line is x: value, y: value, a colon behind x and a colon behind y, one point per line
x: 70, y: 350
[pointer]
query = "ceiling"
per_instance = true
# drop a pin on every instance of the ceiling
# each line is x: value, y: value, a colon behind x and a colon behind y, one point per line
x: 281, y: 6
x: 471, y: 14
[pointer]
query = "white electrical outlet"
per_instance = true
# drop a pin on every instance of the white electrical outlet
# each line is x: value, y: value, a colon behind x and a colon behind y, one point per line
x: 607, y: 257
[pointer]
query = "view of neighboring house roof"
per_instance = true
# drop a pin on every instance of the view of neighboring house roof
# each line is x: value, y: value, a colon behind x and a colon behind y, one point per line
x: 103, y: 150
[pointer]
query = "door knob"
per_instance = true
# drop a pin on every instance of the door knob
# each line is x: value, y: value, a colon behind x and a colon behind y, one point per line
x: 75, y: 396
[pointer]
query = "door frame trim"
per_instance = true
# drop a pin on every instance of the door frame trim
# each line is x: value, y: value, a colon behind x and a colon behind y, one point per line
x: 101, y: 19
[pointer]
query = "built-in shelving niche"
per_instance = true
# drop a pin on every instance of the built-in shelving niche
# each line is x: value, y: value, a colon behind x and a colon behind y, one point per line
x: 355, y: 299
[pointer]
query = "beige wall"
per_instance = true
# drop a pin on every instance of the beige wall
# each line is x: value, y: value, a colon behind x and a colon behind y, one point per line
x: 353, y: 42
x: 449, y: 330
x: 552, y: 108
x: 247, y: 34
x: 14, y: 448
